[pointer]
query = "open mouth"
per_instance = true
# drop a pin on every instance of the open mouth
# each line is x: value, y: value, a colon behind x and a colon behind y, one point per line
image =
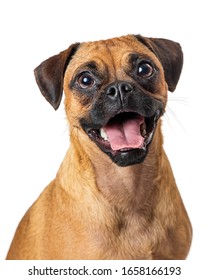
x: 125, y: 132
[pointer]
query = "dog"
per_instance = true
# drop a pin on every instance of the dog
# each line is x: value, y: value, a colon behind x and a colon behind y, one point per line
x: 114, y: 195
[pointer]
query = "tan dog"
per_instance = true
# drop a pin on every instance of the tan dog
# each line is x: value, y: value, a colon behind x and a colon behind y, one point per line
x: 114, y: 196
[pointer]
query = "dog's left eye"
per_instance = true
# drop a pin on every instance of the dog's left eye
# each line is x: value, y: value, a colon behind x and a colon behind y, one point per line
x: 85, y: 80
x: 145, y: 69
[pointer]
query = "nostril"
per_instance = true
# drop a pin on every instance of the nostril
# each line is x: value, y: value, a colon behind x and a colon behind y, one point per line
x: 126, y: 88
x: 112, y: 91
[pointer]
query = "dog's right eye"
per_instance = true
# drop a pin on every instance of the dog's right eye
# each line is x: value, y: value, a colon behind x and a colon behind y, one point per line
x: 85, y: 80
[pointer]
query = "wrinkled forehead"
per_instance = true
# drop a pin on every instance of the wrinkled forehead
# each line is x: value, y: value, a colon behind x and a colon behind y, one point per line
x: 111, y: 52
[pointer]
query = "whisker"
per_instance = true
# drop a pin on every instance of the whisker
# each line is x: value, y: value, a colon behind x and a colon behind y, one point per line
x: 175, y: 114
x: 179, y: 99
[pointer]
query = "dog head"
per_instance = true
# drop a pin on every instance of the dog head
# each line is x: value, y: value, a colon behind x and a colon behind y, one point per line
x: 115, y: 90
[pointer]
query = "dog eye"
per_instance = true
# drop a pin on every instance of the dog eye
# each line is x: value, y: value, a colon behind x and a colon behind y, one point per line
x: 85, y: 80
x: 145, y: 70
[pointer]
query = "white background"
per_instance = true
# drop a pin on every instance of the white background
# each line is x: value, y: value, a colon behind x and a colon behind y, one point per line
x: 34, y: 138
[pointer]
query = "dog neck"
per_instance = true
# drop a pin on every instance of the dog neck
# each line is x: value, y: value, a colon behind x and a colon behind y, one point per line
x: 126, y: 185
x: 119, y: 185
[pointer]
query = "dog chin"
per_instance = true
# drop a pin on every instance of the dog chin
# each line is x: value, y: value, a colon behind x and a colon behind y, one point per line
x: 127, y: 158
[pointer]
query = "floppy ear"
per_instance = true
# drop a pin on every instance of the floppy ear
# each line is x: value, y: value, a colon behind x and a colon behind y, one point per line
x: 50, y: 74
x: 170, y: 55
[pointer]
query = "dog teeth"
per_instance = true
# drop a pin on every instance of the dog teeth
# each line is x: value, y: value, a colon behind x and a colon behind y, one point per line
x: 144, y: 132
x: 103, y: 134
x: 143, y: 129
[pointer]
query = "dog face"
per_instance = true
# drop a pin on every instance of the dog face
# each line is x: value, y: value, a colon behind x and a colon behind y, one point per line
x: 115, y: 90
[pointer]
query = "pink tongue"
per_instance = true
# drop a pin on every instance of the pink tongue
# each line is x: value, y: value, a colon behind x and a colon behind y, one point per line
x: 126, y: 134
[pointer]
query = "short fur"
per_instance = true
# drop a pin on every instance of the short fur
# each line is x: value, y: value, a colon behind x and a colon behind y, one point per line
x: 95, y: 208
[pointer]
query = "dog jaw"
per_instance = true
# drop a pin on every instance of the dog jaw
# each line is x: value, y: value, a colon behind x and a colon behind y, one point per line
x: 126, y: 137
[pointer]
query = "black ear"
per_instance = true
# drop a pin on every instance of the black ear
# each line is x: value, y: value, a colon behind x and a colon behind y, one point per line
x: 170, y: 55
x: 50, y: 74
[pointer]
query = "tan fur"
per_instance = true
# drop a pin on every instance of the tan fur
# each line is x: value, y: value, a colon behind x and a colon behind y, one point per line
x: 95, y: 209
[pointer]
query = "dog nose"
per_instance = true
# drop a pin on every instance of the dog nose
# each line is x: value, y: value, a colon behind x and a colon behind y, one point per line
x: 119, y: 89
